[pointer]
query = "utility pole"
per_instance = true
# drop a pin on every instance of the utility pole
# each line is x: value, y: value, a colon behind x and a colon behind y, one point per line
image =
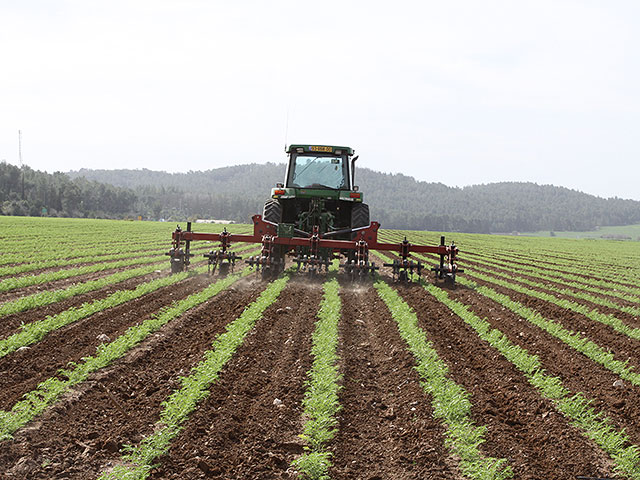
x: 20, y: 158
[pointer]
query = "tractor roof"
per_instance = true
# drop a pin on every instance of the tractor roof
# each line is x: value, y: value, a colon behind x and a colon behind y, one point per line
x: 320, y: 148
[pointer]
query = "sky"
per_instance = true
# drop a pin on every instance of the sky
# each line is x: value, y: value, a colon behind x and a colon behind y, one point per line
x: 461, y: 92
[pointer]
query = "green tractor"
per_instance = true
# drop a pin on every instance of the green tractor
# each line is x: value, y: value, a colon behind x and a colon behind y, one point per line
x: 317, y: 196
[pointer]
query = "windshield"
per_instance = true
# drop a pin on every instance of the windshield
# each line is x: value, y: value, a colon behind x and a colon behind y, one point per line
x: 314, y: 171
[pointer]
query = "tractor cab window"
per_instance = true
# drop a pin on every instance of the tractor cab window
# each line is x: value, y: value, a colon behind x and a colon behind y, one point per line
x: 315, y: 171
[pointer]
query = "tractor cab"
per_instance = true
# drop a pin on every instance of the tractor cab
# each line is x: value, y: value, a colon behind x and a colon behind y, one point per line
x: 318, y: 191
x: 319, y: 166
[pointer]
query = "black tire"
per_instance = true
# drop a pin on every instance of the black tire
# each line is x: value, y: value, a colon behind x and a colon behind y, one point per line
x: 272, y: 211
x: 360, y: 215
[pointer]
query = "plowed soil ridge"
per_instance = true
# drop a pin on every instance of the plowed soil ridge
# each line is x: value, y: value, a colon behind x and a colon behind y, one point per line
x: 624, y: 347
x: 521, y: 426
x: 22, y: 371
x: 11, y: 323
x: 248, y: 427
x: 627, y: 318
x: 81, y: 435
x: 59, y: 284
x: 577, y: 372
x: 387, y: 429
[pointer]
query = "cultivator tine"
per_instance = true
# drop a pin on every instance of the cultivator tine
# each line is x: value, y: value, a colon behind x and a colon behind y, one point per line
x: 222, y: 259
x: 448, y: 267
x: 312, y: 264
x: 270, y: 263
x: 180, y: 257
x: 268, y: 267
x: 403, y: 270
x: 360, y: 271
x: 359, y: 268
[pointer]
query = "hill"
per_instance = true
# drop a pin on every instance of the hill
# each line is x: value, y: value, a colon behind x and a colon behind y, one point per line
x: 396, y: 200
x: 28, y: 192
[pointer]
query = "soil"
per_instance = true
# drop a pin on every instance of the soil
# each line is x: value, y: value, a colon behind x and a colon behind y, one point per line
x: 23, y: 371
x: 386, y: 427
x: 248, y: 427
x: 82, y: 435
x: 522, y: 427
x: 577, y: 372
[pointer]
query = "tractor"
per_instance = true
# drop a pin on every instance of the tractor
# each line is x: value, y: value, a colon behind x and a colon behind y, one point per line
x: 315, y: 216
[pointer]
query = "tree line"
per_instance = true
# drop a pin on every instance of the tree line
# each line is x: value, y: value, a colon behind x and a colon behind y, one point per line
x: 24, y: 191
x: 396, y: 200
x: 237, y: 192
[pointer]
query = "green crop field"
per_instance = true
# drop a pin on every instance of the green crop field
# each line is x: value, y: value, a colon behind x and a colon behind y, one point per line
x: 627, y: 232
x: 114, y: 369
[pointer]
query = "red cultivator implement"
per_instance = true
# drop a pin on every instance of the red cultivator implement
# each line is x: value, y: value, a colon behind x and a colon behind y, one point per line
x: 312, y: 252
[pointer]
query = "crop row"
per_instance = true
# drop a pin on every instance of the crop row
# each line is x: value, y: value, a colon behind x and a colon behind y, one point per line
x: 35, y: 331
x: 616, y: 272
x: 572, y: 405
x: 450, y: 401
x: 44, y: 249
x: 321, y: 403
x: 578, y: 292
x: 575, y: 340
x: 600, y: 262
x: 17, y: 260
x: 55, y: 239
x: 110, y: 254
x: 179, y: 405
x: 601, y: 286
x: 593, y: 314
x: 49, y: 391
x: 40, y: 299
x: 47, y: 277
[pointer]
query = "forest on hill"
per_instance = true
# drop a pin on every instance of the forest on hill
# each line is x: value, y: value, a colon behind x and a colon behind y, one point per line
x: 28, y: 192
x: 237, y: 192
x: 396, y: 200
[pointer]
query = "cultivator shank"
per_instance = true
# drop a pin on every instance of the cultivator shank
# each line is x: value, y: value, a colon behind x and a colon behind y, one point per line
x: 222, y: 259
x: 313, y: 251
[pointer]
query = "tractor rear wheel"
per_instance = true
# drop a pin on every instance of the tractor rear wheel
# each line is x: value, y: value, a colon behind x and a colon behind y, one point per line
x: 360, y: 215
x: 272, y: 211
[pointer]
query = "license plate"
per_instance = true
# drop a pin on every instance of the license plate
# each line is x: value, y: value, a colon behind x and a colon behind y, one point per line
x: 320, y: 149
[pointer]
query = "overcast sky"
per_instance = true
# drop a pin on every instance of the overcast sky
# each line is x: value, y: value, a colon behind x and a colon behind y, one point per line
x: 458, y: 92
